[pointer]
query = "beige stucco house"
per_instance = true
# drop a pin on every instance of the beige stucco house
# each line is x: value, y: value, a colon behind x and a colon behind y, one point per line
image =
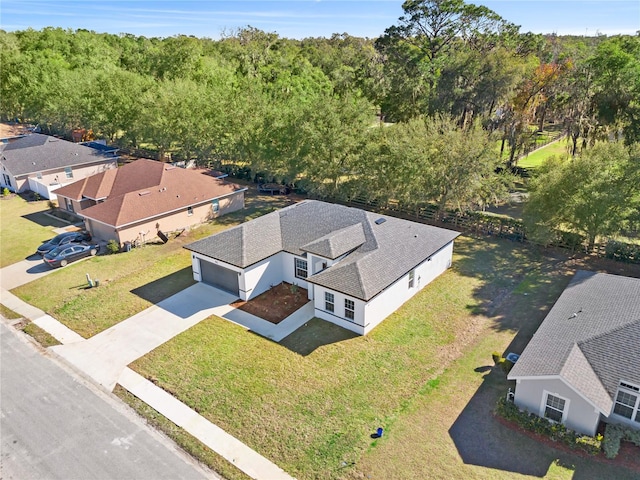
x: 138, y: 200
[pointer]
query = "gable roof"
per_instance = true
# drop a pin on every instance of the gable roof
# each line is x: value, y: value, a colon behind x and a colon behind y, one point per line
x: 144, y: 189
x: 40, y: 153
x: 590, y: 338
x: 373, y: 258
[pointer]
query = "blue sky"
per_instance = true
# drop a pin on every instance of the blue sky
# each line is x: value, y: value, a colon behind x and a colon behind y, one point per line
x: 301, y: 18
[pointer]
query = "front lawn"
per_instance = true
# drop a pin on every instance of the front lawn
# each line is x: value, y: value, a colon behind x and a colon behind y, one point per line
x: 311, y: 403
x: 23, y: 227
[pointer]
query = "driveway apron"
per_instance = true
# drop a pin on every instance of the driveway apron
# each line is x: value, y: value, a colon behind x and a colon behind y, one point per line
x: 104, y: 356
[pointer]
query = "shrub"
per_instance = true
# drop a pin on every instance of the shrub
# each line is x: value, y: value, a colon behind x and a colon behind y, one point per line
x: 614, y: 434
x: 52, y: 205
x: 6, y: 192
x: 113, y: 246
x: 555, y: 431
x: 496, y: 357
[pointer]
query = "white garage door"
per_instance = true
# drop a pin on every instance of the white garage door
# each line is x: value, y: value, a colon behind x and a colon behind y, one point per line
x: 219, y: 277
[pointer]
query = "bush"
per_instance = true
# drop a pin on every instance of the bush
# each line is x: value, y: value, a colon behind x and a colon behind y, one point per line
x: 554, y: 431
x: 496, y: 357
x: 113, y: 246
x: 6, y: 192
x: 52, y: 205
x: 614, y: 434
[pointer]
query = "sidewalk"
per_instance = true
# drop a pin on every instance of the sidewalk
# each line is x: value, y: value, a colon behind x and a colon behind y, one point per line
x: 105, y: 356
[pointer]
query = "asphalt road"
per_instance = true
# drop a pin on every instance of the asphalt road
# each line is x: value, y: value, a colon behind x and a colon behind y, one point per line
x: 54, y: 425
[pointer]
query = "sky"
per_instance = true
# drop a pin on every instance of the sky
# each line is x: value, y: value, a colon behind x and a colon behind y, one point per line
x: 301, y: 18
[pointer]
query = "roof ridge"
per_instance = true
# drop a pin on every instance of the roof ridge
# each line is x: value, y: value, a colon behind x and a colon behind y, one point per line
x: 608, y: 332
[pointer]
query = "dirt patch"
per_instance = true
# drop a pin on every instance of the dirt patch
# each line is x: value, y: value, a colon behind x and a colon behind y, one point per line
x: 275, y: 304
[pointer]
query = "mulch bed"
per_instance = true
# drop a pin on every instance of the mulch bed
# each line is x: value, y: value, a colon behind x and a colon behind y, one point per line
x: 628, y: 456
x: 275, y: 304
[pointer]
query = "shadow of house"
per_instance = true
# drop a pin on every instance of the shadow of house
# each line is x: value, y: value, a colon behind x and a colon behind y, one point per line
x: 314, y: 334
x: 482, y: 440
x: 45, y: 220
x: 164, y: 287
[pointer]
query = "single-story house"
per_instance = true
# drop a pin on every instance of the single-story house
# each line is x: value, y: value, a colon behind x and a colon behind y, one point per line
x: 358, y: 267
x: 583, y: 364
x: 144, y: 197
x: 43, y: 164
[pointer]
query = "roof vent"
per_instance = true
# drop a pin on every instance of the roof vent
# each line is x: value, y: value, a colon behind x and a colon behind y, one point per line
x: 380, y: 221
x: 575, y: 314
x: 169, y: 167
x: 146, y: 192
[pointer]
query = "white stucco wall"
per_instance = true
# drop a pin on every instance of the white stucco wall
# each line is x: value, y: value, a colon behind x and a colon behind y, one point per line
x: 356, y: 325
x: 260, y: 277
x: 579, y: 414
x: 288, y: 270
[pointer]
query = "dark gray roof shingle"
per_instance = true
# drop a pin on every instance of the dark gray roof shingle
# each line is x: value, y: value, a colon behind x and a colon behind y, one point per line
x: 40, y: 153
x: 379, y: 254
x: 590, y: 338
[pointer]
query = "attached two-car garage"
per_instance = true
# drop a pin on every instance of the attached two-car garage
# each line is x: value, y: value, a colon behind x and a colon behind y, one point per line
x: 219, y: 277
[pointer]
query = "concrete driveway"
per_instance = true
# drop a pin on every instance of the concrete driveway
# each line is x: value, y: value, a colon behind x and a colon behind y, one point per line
x: 104, y: 356
x: 25, y: 271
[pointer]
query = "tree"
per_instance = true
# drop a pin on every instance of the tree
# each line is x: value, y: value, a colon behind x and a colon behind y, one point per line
x: 594, y: 194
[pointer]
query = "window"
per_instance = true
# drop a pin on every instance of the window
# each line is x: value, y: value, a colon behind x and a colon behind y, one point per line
x: 349, y: 309
x: 412, y: 278
x: 554, y: 408
x: 189, y: 211
x: 627, y: 402
x: 68, y: 172
x: 69, y: 204
x: 301, y: 268
x: 215, y: 204
x: 39, y: 175
x: 328, y: 302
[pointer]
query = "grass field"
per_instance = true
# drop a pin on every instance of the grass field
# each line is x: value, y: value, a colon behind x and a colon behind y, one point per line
x: 537, y: 158
x: 23, y: 227
x: 311, y: 403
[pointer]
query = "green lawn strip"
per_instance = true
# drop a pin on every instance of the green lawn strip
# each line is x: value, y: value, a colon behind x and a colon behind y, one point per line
x: 313, y: 412
x: 8, y: 313
x: 41, y: 336
x: 23, y: 227
x: 188, y: 443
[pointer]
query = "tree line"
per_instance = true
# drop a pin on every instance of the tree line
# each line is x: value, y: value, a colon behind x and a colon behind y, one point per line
x: 436, y: 110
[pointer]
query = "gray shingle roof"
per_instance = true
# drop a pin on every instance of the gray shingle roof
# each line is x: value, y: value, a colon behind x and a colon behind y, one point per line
x: 380, y: 253
x: 40, y: 153
x: 590, y: 338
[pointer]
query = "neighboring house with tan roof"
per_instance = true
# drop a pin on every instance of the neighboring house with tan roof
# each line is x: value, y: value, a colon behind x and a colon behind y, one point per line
x: 141, y: 198
x: 358, y: 267
x: 43, y: 164
x: 582, y: 366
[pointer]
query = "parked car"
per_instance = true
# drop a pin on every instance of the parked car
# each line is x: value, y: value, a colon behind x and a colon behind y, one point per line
x: 70, y: 252
x: 63, y: 239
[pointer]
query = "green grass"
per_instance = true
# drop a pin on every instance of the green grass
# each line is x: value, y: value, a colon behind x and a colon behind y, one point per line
x: 41, y: 336
x: 311, y: 402
x: 537, y: 158
x: 129, y: 282
x: 23, y: 227
x: 8, y: 313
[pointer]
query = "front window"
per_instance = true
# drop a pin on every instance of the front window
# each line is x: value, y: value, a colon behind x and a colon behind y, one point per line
x: 301, y: 268
x: 189, y: 211
x: 328, y: 302
x: 68, y: 172
x: 349, y: 309
x: 69, y: 204
x: 628, y: 402
x: 39, y: 175
x: 412, y: 278
x: 215, y: 204
x: 554, y: 408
